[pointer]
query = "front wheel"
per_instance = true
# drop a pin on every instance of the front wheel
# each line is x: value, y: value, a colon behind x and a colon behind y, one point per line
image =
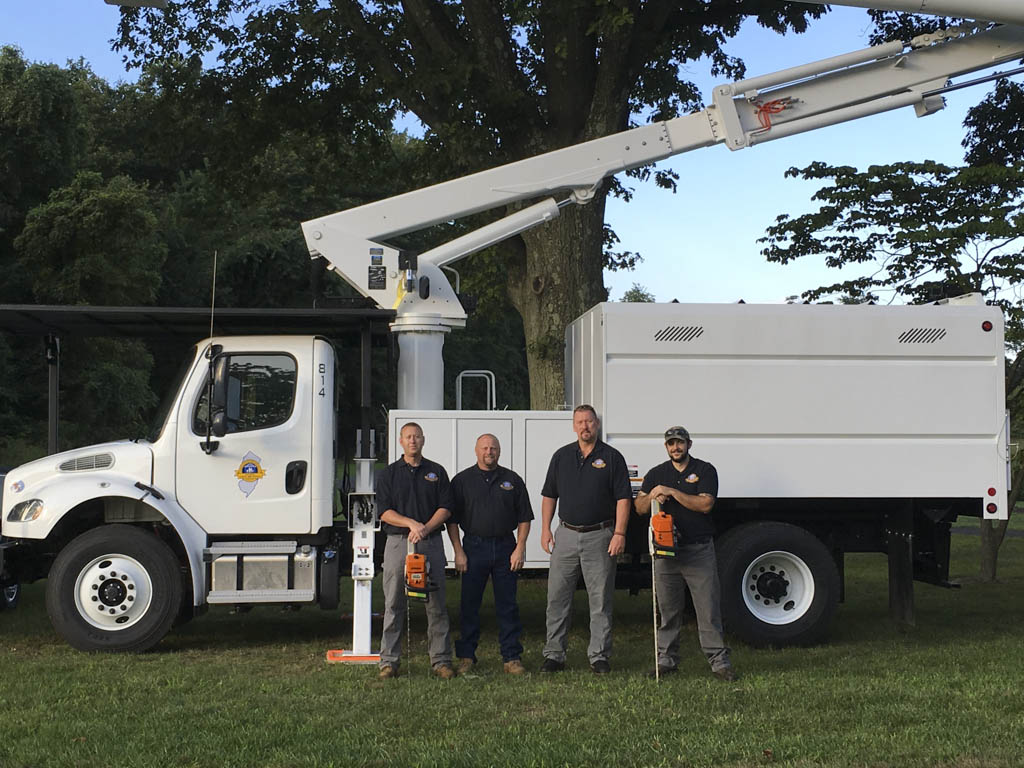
x: 114, y: 588
x: 780, y: 585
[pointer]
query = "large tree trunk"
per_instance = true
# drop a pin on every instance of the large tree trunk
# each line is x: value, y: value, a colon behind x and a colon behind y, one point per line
x: 557, y: 277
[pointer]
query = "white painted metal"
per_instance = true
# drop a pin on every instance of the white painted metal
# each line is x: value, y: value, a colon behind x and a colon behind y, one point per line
x: 804, y: 401
x: 527, y: 440
x: 207, y: 485
x: 420, y: 362
x: 799, y: 590
x: 1004, y: 11
x: 487, y: 376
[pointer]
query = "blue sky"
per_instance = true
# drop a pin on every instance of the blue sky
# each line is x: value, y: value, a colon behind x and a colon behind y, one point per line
x: 699, y: 244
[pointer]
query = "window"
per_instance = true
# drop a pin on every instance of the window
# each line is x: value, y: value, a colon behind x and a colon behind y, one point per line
x: 261, y: 393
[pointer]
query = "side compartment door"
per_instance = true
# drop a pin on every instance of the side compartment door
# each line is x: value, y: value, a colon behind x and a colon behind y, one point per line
x: 257, y: 480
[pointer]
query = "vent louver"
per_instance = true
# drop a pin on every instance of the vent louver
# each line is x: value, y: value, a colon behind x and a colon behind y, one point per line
x: 679, y: 333
x: 922, y: 335
x: 87, y: 463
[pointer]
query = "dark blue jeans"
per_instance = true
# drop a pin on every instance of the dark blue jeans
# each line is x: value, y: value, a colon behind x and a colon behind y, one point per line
x: 489, y: 557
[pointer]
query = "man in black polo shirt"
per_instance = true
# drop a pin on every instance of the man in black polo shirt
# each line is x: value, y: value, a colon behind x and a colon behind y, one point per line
x: 589, y: 482
x: 686, y: 488
x: 490, y: 503
x: 415, y: 498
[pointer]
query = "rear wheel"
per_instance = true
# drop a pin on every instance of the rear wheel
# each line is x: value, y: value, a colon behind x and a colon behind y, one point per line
x: 114, y: 588
x: 780, y: 585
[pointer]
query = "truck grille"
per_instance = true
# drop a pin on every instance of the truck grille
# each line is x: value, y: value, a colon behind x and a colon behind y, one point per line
x: 88, y: 463
x: 679, y: 333
x: 922, y: 335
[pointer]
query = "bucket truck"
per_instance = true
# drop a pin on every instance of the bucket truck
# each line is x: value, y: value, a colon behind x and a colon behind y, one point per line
x: 835, y: 429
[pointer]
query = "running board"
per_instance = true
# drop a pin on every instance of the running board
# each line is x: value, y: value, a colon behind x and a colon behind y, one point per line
x: 241, y: 596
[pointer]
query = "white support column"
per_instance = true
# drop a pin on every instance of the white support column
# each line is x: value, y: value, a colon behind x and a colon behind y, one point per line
x: 420, y: 363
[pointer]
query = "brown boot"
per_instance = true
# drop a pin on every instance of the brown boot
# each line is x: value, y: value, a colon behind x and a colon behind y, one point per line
x: 515, y: 667
x: 464, y: 665
x: 387, y: 671
x: 444, y: 671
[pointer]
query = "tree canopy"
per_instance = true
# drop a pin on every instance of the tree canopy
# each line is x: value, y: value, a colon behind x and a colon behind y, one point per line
x: 491, y: 81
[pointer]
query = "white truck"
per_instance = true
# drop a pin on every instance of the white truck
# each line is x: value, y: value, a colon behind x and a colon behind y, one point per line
x: 834, y: 428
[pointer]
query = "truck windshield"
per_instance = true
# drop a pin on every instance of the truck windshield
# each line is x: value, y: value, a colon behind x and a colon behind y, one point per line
x: 160, y: 417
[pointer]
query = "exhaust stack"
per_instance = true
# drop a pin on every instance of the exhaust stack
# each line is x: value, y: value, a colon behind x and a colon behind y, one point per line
x: 1003, y: 11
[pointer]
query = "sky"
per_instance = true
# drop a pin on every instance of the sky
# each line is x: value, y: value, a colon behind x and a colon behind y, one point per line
x: 698, y: 245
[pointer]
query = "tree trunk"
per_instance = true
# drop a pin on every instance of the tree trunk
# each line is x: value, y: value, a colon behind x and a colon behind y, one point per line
x: 555, y: 278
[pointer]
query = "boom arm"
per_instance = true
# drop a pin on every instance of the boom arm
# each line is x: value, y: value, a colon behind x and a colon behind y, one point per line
x: 743, y: 114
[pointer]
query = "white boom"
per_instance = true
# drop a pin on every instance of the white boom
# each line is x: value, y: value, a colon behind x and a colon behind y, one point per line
x: 1003, y: 11
x: 749, y: 112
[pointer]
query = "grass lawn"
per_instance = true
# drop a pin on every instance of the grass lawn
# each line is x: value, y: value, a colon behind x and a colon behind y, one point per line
x: 253, y: 690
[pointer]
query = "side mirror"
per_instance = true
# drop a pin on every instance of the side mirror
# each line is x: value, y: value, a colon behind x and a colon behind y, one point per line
x: 219, y: 424
x: 219, y: 399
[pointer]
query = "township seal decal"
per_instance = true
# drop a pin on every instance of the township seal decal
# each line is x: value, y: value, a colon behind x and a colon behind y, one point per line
x: 691, y: 478
x: 506, y: 486
x: 599, y: 464
x: 430, y: 477
x: 249, y: 473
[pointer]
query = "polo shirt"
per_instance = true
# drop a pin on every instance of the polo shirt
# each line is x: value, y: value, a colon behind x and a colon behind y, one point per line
x: 416, y: 492
x: 587, y: 488
x: 698, y: 477
x: 490, y: 503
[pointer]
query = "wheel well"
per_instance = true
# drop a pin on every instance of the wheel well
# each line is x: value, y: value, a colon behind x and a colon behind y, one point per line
x: 108, y: 510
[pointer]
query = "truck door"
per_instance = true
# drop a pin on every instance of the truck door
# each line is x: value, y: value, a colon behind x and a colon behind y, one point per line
x: 257, y: 479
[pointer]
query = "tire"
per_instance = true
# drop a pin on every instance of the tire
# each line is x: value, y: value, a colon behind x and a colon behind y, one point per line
x: 114, y: 588
x: 10, y: 594
x: 780, y: 585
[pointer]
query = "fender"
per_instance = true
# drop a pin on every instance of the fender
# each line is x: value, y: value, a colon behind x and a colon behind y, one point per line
x: 61, y: 494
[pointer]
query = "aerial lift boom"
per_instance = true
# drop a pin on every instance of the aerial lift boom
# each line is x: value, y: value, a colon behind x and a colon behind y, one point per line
x: 742, y: 114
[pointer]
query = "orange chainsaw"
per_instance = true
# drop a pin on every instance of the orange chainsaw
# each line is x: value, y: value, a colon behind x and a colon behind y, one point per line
x: 417, y: 576
x: 663, y: 533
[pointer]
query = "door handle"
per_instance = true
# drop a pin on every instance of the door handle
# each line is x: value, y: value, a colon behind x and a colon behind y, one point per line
x: 295, y: 477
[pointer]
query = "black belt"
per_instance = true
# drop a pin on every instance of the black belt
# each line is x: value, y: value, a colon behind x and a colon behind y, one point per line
x: 589, y: 528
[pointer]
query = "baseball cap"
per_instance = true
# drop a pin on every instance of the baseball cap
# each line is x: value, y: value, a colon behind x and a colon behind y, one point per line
x: 676, y: 433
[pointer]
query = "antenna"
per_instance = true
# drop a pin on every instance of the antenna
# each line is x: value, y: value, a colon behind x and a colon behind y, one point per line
x: 213, y: 293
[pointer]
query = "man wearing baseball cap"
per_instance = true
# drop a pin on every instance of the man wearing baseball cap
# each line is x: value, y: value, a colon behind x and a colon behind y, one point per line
x: 686, y: 488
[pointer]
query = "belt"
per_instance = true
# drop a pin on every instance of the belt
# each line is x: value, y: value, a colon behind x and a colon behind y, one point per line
x: 589, y: 528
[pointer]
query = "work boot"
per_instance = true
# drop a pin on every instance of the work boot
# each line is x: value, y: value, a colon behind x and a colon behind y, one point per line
x: 600, y: 667
x: 464, y: 665
x: 515, y: 667
x: 662, y: 671
x: 444, y: 671
x: 726, y: 673
x: 387, y: 671
x: 550, y: 665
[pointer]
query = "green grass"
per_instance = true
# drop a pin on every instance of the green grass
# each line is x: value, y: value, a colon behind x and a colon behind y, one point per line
x: 253, y: 690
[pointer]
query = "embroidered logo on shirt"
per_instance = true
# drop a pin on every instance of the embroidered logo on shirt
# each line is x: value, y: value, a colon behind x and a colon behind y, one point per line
x: 692, y: 478
x: 599, y: 464
x: 506, y: 486
x: 430, y: 477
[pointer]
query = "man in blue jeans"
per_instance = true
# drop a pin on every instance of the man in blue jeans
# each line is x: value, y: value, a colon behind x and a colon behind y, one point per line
x: 492, y: 507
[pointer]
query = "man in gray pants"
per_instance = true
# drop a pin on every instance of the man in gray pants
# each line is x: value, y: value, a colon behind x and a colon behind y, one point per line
x: 686, y: 488
x: 589, y: 483
x: 416, y: 500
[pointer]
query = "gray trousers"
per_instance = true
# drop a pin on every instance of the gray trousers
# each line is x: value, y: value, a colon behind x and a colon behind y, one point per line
x: 694, y: 566
x: 575, y: 554
x: 395, y: 604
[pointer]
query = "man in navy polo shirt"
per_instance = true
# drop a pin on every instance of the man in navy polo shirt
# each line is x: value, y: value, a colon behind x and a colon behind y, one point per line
x: 493, y: 509
x: 589, y: 483
x: 415, y: 500
x: 686, y: 488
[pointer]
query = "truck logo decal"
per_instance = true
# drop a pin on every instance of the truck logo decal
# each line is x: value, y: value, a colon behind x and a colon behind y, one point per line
x: 249, y: 473
x: 599, y: 464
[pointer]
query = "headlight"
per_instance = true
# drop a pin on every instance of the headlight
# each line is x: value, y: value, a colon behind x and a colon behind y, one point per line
x: 26, y: 511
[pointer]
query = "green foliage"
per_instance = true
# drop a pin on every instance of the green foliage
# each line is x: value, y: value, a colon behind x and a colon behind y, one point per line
x: 638, y: 294
x: 93, y: 242
x: 921, y: 230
